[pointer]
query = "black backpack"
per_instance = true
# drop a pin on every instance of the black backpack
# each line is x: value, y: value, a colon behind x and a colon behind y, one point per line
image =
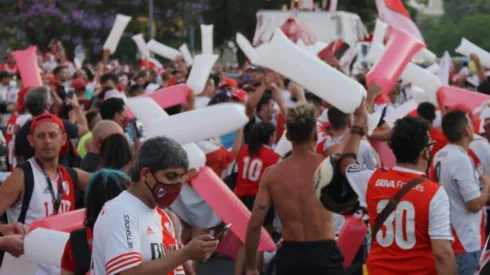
x: 80, y: 251
x: 29, y: 188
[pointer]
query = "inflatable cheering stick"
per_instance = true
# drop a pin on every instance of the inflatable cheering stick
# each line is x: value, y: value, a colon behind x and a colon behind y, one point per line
x: 116, y: 33
x: 140, y: 42
x: 186, y: 54
x: 27, y: 64
x: 450, y: 96
x: 203, y: 64
x: 207, y: 39
x: 162, y: 50
x: 400, y: 49
x: 466, y: 48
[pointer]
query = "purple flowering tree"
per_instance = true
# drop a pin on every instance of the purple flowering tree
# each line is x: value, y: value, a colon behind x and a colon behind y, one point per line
x: 88, y: 22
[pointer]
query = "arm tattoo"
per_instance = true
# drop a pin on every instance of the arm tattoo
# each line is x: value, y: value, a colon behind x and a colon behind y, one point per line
x: 262, y: 207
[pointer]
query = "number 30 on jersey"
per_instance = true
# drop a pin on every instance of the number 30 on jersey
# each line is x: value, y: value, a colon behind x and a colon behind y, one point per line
x: 399, y: 227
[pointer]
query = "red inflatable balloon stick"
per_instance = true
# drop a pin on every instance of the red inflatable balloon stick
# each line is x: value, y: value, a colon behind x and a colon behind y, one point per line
x: 401, y: 47
x: 27, y: 64
x: 64, y: 222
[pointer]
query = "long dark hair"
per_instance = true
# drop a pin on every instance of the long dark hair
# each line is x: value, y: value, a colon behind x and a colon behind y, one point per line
x: 260, y: 134
x: 104, y: 185
x: 115, y: 152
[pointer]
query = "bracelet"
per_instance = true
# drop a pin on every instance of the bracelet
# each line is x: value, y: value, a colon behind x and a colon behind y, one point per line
x: 357, y: 130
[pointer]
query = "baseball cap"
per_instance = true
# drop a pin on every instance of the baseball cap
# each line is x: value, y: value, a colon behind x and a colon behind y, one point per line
x: 78, y: 84
x: 220, y: 97
x: 239, y: 94
x: 229, y: 82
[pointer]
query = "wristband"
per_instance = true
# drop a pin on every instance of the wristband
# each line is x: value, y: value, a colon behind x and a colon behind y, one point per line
x: 357, y: 130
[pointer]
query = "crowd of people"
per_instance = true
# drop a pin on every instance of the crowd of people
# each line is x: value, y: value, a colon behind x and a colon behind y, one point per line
x: 70, y: 144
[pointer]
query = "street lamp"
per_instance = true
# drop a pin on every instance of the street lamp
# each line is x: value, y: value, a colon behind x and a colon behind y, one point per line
x: 150, y: 18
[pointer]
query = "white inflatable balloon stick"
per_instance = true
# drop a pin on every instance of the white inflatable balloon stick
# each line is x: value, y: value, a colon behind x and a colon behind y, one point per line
x: 197, y: 158
x: 207, y: 39
x: 445, y: 68
x: 283, y: 146
x: 116, y: 33
x: 162, y: 50
x: 140, y: 42
x: 379, y: 32
x: 186, y: 54
x: 421, y: 77
x: 424, y: 55
x: 45, y: 246
x: 420, y: 95
x: 466, y: 48
x: 146, y: 110
x: 22, y: 265
x: 284, y: 57
x: 433, y: 69
x: 201, y: 124
x: 203, y: 65
x: 401, y: 112
x: 246, y: 47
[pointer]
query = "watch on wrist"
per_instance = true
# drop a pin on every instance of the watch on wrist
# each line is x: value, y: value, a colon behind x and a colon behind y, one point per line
x: 357, y: 130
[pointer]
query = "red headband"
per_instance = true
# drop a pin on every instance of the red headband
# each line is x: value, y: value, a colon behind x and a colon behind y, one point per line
x: 47, y: 118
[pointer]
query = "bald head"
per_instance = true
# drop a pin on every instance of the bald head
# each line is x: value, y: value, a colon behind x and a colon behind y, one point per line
x: 102, y: 130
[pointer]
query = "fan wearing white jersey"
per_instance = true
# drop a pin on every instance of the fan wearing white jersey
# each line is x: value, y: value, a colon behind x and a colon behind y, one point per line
x: 132, y: 234
x: 468, y: 194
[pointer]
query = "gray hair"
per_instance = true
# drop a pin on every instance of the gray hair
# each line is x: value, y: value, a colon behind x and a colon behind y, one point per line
x: 157, y: 154
x: 36, y: 100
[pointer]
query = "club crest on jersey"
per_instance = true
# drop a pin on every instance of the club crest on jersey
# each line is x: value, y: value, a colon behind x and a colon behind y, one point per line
x: 66, y: 188
x: 161, y: 192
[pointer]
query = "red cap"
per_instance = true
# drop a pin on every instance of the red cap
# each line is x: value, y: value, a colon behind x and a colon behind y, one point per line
x: 240, y: 94
x: 47, y: 117
x: 78, y: 84
x: 229, y: 82
x: 20, y: 98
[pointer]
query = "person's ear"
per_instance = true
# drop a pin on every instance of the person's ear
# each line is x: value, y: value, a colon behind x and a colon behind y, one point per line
x: 30, y: 139
x: 144, y: 174
x: 64, y: 138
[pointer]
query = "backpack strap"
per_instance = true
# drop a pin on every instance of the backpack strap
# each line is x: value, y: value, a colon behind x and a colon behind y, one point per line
x: 80, y: 251
x: 28, y: 190
x: 79, y: 194
x: 392, y: 203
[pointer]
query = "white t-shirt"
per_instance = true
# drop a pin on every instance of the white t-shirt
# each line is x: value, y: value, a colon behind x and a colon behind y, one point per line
x: 366, y: 156
x: 481, y: 148
x: 455, y: 171
x: 128, y: 233
x: 439, y: 226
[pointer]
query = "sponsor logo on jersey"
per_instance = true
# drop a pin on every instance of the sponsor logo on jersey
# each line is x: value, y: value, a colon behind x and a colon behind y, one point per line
x: 149, y: 230
x: 127, y: 226
x: 46, y: 190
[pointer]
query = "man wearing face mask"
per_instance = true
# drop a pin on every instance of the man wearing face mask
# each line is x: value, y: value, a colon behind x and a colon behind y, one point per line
x: 133, y: 235
x: 417, y: 230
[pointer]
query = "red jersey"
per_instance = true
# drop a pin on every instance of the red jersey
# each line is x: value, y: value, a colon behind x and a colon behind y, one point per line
x: 251, y: 168
x: 67, y: 262
x: 407, y: 230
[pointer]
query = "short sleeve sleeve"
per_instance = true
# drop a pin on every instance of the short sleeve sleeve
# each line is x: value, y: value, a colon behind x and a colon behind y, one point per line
x: 67, y: 260
x: 439, y: 224
x: 466, y: 179
x: 358, y: 179
x: 120, y: 242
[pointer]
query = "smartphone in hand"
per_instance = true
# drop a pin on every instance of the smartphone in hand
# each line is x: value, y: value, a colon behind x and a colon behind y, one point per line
x: 222, y: 233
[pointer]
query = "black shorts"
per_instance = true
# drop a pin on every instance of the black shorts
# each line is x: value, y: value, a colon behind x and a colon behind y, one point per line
x: 319, y: 258
x: 249, y: 201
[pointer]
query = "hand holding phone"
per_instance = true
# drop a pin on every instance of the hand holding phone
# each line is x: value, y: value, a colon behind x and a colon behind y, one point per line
x: 221, y: 234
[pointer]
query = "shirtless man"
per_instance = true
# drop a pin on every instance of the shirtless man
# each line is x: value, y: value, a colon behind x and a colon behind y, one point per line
x: 309, y: 245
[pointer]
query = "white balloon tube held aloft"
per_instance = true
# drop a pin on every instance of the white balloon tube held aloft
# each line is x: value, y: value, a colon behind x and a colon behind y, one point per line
x: 45, y: 246
x: 375, y: 52
x: 207, y: 39
x: 203, y: 64
x: 421, y: 77
x: 379, y: 31
x: 283, y: 57
x: 22, y: 265
x: 186, y: 54
x: 445, y: 68
x: 401, y: 112
x: 120, y: 24
x: 283, y: 146
x: 424, y: 55
x: 373, y: 121
x: 419, y: 95
x: 433, y: 69
x: 145, y: 110
x: 140, y: 42
x: 196, y: 156
x: 201, y: 124
x: 466, y: 48
x: 314, y: 49
x: 246, y: 47
x: 162, y: 50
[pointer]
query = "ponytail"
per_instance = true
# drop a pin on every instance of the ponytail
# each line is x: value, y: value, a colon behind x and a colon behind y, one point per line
x: 260, y: 134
